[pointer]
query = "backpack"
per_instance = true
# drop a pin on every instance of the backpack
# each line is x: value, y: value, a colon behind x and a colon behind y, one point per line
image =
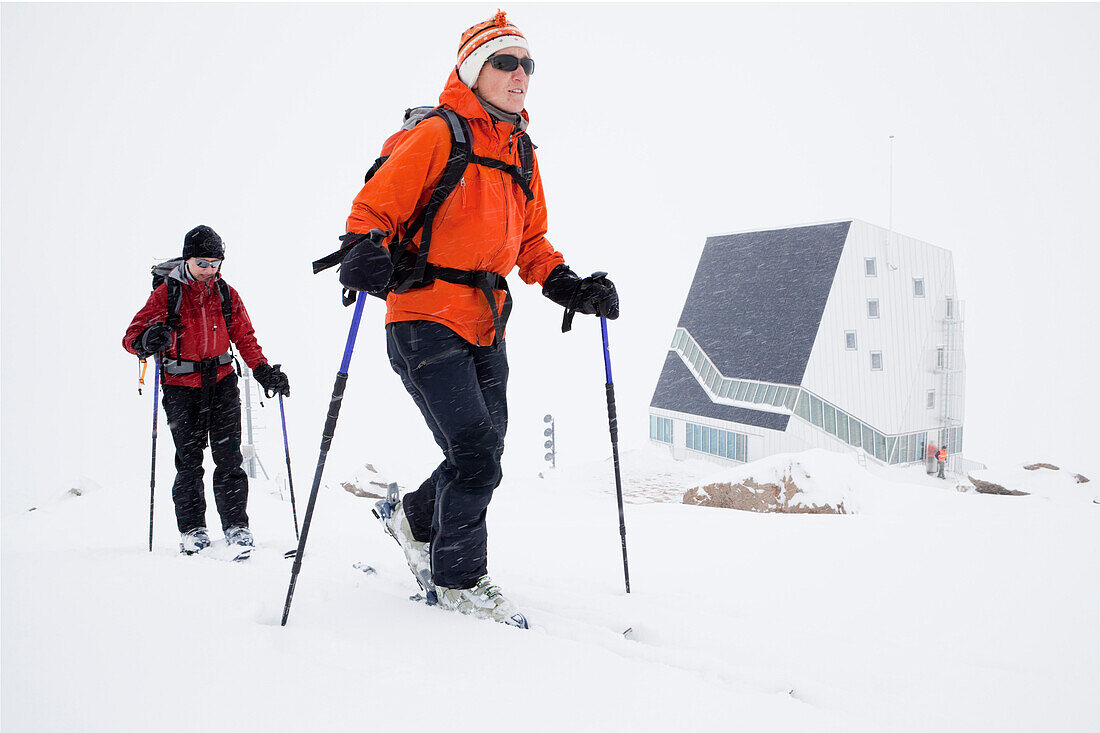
x: 160, y: 274
x: 411, y: 269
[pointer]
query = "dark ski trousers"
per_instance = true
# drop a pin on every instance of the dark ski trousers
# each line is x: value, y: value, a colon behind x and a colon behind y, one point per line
x: 461, y: 391
x: 191, y: 425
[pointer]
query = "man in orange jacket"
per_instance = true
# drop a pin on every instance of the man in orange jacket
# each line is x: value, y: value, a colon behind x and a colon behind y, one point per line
x: 942, y: 458
x: 445, y: 338
x: 201, y: 398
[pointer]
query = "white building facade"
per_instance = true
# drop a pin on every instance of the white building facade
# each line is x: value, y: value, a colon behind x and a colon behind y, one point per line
x: 841, y: 335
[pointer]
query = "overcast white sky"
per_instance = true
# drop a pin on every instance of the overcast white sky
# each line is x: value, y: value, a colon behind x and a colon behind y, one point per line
x: 123, y: 126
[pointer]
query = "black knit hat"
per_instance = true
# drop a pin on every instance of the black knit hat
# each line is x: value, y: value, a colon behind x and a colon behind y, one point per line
x: 202, y: 241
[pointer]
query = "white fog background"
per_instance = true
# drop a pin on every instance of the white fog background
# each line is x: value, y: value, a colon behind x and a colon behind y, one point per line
x: 123, y: 126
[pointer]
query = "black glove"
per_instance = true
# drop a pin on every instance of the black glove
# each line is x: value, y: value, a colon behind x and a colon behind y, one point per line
x: 594, y: 295
x: 152, y: 340
x: 272, y: 379
x: 367, y: 267
x: 597, y: 296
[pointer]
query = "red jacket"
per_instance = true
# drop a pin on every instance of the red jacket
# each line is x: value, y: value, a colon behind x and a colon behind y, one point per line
x: 203, y: 334
x: 487, y: 223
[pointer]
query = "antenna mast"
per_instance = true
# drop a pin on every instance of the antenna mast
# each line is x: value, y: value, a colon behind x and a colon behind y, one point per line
x: 891, y: 184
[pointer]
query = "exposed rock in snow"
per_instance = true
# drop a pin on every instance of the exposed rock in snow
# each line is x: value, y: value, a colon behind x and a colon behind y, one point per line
x: 1026, y: 479
x: 368, y: 483
x: 813, y: 482
x: 988, y: 487
x: 750, y: 496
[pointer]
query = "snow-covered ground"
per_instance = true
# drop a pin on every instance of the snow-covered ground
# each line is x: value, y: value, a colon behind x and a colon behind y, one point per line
x: 928, y: 610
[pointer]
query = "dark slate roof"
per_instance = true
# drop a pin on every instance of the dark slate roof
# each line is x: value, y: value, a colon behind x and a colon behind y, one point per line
x: 678, y: 390
x: 757, y: 298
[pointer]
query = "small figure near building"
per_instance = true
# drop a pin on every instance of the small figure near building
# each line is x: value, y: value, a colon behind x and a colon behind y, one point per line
x: 942, y: 458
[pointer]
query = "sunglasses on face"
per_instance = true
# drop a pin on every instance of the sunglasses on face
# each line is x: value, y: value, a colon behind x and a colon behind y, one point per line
x: 504, y: 62
x: 207, y: 264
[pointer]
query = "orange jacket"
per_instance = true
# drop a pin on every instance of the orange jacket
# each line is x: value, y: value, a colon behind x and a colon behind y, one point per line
x: 487, y: 222
x: 942, y: 455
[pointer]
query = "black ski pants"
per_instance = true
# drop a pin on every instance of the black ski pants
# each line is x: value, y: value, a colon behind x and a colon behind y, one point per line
x: 461, y: 391
x: 192, y: 423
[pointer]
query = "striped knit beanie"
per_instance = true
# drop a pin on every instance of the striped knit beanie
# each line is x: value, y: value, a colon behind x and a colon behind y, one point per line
x: 481, y: 41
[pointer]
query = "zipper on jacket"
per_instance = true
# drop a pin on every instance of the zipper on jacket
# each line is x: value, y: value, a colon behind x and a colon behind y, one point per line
x: 205, y: 330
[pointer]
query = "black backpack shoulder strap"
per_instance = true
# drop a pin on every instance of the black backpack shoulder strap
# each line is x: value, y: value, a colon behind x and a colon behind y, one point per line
x: 227, y: 303
x: 526, y: 157
x: 462, y: 153
x: 175, y: 295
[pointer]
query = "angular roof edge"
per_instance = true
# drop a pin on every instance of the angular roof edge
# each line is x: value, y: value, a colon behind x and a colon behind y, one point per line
x: 786, y: 226
x: 850, y: 219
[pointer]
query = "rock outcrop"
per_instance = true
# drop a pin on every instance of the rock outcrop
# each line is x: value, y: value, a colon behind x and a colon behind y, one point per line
x: 751, y: 496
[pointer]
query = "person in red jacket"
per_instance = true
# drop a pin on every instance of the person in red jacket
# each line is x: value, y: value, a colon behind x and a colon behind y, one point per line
x: 445, y: 338
x: 201, y: 397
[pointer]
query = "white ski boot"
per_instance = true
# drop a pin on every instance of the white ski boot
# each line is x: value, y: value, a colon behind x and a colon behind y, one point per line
x: 239, y: 540
x: 417, y: 554
x: 484, y: 600
x: 194, y: 540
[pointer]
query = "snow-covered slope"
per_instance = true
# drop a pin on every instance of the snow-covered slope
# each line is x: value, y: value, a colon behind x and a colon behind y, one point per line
x: 928, y: 610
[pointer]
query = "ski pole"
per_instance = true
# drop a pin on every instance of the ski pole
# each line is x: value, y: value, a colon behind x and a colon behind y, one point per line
x: 153, y: 469
x: 289, y: 475
x: 613, y: 424
x: 326, y: 441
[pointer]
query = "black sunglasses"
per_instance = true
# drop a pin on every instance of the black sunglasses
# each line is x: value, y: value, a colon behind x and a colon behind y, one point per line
x: 504, y: 62
x: 206, y: 264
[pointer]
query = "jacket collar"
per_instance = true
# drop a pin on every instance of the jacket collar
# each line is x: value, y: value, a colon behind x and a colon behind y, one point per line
x: 181, y: 273
x: 461, y: 99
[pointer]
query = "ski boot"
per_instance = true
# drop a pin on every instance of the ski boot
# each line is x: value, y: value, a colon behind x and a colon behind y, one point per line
x: 484, y: 600
x: 194, y: 540
x: 239, y: 540
x: 417, y: 554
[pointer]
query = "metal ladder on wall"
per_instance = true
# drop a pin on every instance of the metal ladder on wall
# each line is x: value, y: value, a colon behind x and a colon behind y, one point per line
x: 948, y: 364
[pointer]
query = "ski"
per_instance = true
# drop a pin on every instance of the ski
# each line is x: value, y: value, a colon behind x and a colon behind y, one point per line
x: 233, y: 553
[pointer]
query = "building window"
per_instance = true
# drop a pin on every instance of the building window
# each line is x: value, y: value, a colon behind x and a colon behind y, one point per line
x: 855, y: 428
x: 743, y: 392
x: 802, y: 407
x: 830, y: 419
x: 717, y: 442
x: 949, y: 308
x: 660, y: 429
x: 842, y: 426
x: 876, y: 361
x: 850, y: 340
x: 930, y: 401
x: 872, y: 307
x: 918, y: 287
x: 714, y: 381
x: 869, y: 267
x: 941, y: 357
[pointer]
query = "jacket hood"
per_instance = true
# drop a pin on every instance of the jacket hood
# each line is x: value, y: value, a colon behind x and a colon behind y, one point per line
x: 459, y: 97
